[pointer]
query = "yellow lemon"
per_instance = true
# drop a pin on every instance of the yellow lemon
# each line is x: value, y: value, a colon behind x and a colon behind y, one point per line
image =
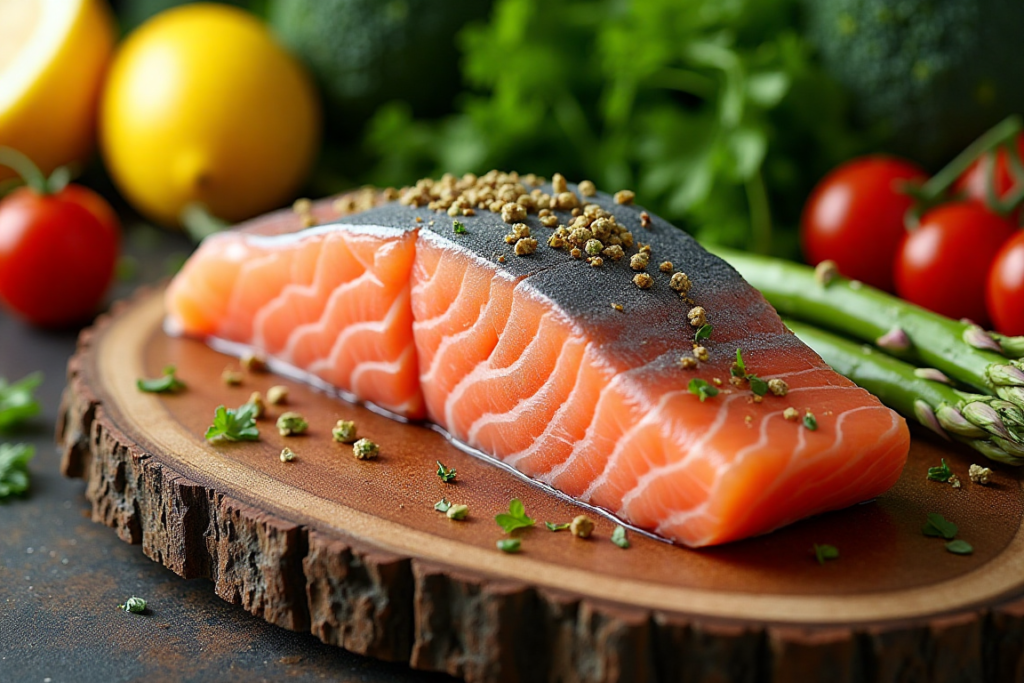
x: 203, y: 106
x: 53, y: 56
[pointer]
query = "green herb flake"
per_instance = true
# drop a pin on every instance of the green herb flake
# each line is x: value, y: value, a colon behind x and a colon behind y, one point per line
x: 960, y: 547
x: 14, y: 460
x: 134, y: 605
x: 447, y: 474
x: 759, y: 386
x: 941, y: 473
x: 364, y: 449
x: 825, y: 552
x: 702, y: 389
x: 703, y: 333
x: 509, y: 545
x: 291, y: 423
x: 619, y: 537
x: 234, y: 425
x: 515, y: 518
x: 166, y: 384
x: 344, y: 431
x: 17, y: 403
x: 938, y: 527
x: 458, y: 228
x: 556, y: 527
x: 442, y: 505
x: 810, y: 421
x: 739, y: 368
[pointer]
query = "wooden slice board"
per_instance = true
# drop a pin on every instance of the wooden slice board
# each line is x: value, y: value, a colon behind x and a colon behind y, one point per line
x: 355, y: 552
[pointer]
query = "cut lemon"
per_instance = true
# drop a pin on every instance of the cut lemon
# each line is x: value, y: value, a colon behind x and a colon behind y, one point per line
x: 53, y: 56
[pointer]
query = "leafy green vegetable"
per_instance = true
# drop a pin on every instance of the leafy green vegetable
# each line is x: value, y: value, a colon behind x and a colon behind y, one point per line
x: 447, y: 474
x: 960, y: 547
x: 556, y: 527
x: 515, y: 518
x: 825, y: 552
x: 234, y: 425
x: 811, y: 422
x: 458, y: 228
x: 133, y: 604
x: 17, y: 403
x: 14, y: 468
x: 701, y: 389
x: 442, y: 505
x: 758, y: 385
x: 509, y: 545
x: 166, y: 384
x: 940, y: 473
x: 619, y: 537
x: 937, y: 526
x: 703, y: 333
x: 739, y: 368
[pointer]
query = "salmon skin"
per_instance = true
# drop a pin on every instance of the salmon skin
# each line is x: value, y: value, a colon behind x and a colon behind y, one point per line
x: 567, y: 372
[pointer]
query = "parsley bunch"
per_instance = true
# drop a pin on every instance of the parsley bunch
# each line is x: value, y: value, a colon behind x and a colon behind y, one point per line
x: 14, y: 468
x: 234, y: 425
x: 17, y: 402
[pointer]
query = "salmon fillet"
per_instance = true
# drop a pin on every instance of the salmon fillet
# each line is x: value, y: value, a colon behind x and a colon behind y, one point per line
x: 526, y: 359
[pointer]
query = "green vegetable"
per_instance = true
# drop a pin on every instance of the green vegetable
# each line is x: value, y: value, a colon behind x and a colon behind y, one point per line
x: 133, y: 604
x: 810, y: 422
x: 292, y: 423
x: 509, y: 545
x: 941, y: 473
x: 234, y: 425
x: 556, y: 527
x: 515, y: 518
x: 758, y: 385
x: 364, y: 449
x: 442, y: 505
x: 447, y: 474
x: 619, y: 537
x: 739, y: 369
x: 17, y: 403
x: 703, y: 333
x: 14, y: 477
x: 701, y: 389
x: 960, y: 547
x: 825, y: 552
x: 166, y: 384
x: 938, y: 526
x: 344, y: 431
x: 458, y: 228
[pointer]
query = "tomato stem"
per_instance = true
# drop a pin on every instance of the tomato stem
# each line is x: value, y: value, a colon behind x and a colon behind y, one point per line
x: 24, y: 167
x: 1002, y: 133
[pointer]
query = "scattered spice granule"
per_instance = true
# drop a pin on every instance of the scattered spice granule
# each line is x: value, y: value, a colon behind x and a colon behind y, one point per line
x: 231, y: 377
x: 301, y: 206
x: 458, y: 512
x: 256, y: 401
x: 602, y: 228
x: 291, y: 423
x: 587, y: 188
x: 697, y: 317
x: 645, y: 219
x: 645, y: 249
x: 736, y: 381
x: 596, y: 262
x: 614, y: 252
x: 418, y: 219
x: 643, y: 280
x: 519, y: 231
x: 593, y: 247
x: 549, y: 221
x: 277, y: 394
x: 687, y: 363
x: 638, y: 261
x: 618, y: 307
x: 825, y: 272
x: 558, y: 184
x: 954, y: 481
x: 581, y: 526
x: 526, y: 246
x: 757, y: 399
x: 556, y: 241
x: 501, y: 259
x: 700, y: 353
x: 624, y: 197
x: 512, y: 213
x: 253, y: 362
x: 468, y: 211
x: 778, y: 387
x: 577, y: 210
x: 566, y: 201
x: 580, y: 236
x: 716, y: 381
x: 390, y: 193
x: 364, y: 449
x: 287, y: 455
x: 680, y: 282
x: 749, y: 420
x: 979, y: 475
x: 344, y: 431
x: 576, y: 252
x: 665, y: 267
x: 791, y: 414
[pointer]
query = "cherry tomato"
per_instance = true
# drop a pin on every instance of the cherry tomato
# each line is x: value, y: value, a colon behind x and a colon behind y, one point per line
x: 57, y: 253
x: 943, y: 264
x: 855, y: 217
x: 1004, y: 295
x: 972, y: 183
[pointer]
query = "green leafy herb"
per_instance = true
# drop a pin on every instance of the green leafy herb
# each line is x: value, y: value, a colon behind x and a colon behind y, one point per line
x: 515, y: 518
x: 133, y: 604
x: 938, y: 527
x: 810, y: 421
x: 459, y: 228
x: 960, y: 547
x: 619, y: 537
x: 703, y: 333
x: 702, y: 389
x: 825, y: 552
x: 442, y: 505
x: 234, y: 425
x: 758, y: 385
x: 940, y: 473
x: 556, y: 527
x: 509, y: 545
x: 739, y: 368
x: 166, y: 384
x: 17, y: 403
x: 447, y: 474
x: 14, y: 468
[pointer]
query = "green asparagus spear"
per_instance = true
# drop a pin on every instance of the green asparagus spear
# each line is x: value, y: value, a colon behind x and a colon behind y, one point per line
x: 990, y: 425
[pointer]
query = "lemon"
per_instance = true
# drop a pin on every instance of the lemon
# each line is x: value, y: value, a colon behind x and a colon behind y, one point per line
x: 53, y: 56
x: 203, y: 106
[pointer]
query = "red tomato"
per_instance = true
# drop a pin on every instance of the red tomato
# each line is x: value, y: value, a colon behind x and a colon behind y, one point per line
x: 943, y: 264
x: 57, y: 254
x: 1004, y: 296
x: 855, y: 217
x: 972, y: 182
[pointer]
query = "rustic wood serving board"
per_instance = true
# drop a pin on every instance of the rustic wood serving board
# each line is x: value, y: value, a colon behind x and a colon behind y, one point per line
x: 354, y: 551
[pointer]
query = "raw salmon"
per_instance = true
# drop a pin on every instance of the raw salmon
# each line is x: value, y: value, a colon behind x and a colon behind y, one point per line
x: 565, y: 370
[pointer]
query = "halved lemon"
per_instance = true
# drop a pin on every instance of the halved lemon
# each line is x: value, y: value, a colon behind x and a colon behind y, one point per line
x: 53, y: 57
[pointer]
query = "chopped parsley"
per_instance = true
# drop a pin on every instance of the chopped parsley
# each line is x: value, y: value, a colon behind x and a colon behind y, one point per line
x: 557, y: 527
x: 703, y: 333
x: 458, y: 228
x: 442, y: 505
x: 739, y: 368
x: 810, y: 421
x: 234, y: 425
x: 447, y: 474
x: 14, y: 468
x: 960, y: 547
x: 702, y: 389
x: 758, y: 385
x: 134, y: 605
x: 825, y: 552
x: 941, y: 473
x: 17, y: 403
x: 167, y: 384
x: 515, y: 518
x: 509, y: 545
x: 938, y: 527
x: 619, y: 537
